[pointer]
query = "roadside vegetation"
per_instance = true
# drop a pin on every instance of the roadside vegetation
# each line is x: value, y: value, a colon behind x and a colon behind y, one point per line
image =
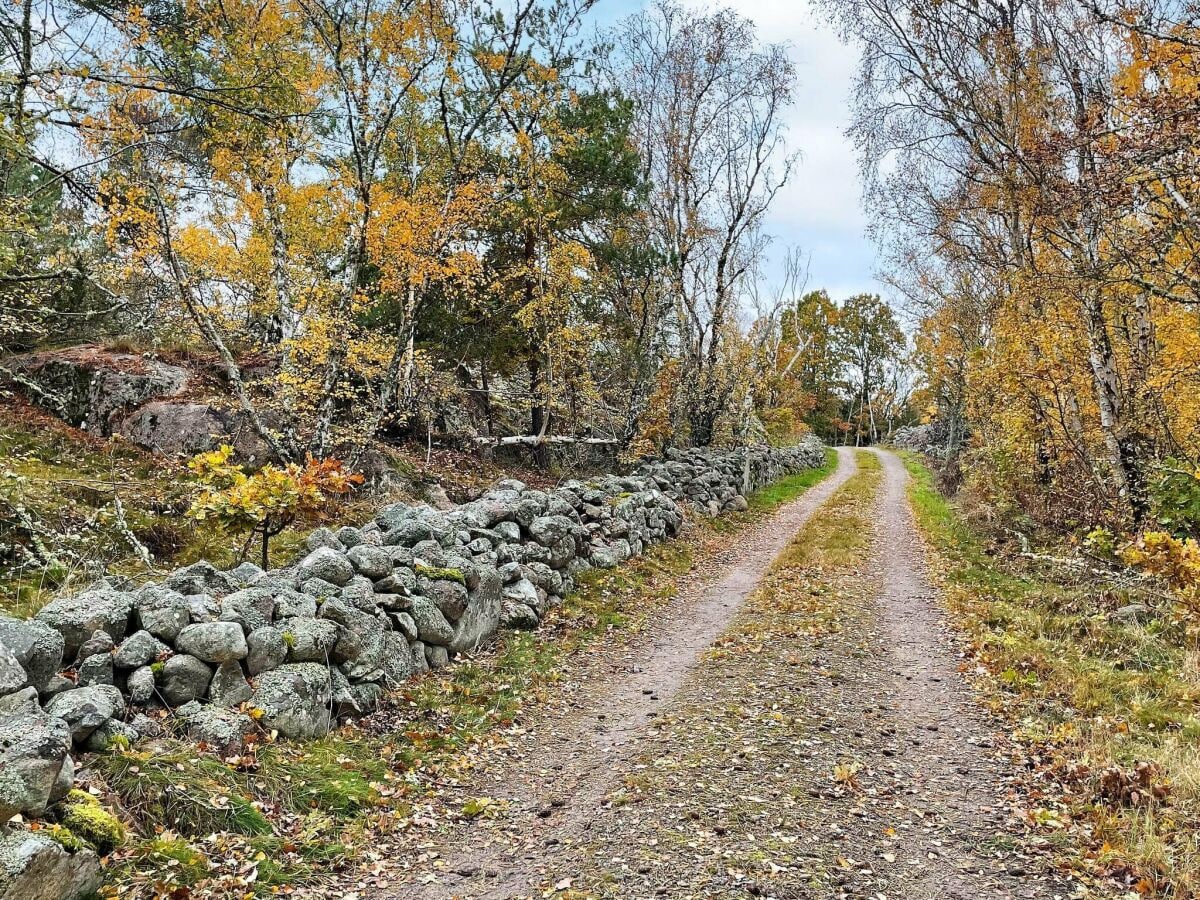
x: 1097, y: 673
x: 74, y: 506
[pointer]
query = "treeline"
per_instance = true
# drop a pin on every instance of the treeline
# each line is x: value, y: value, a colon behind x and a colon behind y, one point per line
x: 1034, y: 169
x: 388, y: 217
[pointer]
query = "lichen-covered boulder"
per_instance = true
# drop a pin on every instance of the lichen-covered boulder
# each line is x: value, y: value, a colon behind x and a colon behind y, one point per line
x: 323, y: 537
x: 517, y: 615
x: 294, y: 700
x: 201, y: 577
x: 76, y: 618
x: 310, y: 640
x: 266, y: 649
x: 419, y: 664
x: 96, y: 669
x: 432, y: 626
x: 229, y: 686
x: 221, y: 729
x: 328, y: 565
x: 550, y: 530
x: 397, y: 659
x: 250, y: 608
x: 213, y: 642
x: 404, y: 623
x: 481, y: 617
x: 87, y: 708
x: 437, y: 657
x: 292, y: 604
x: 349, y: 536
x: 99, y: 642
x: 12, y: 673
x: 412, y: 531
x: 34, y: 747
x: 202, y: 608
x: 34, y: 866
x: 359, y: 648
x: 140, y: 686
x: 247, y: 574
x: 36, y: 646
x: 22, y: 702
x: 370, y: 561
x: 450, y: 597
x: 184, y: 678
x: 139, y: 649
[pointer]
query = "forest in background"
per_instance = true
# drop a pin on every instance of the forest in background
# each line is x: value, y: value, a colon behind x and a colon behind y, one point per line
x: 1032, y: 169
x: 396, y: 219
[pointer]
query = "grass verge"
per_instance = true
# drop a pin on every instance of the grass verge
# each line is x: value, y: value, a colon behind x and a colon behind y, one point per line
x: 289, y: 815
x: 1106, y: 707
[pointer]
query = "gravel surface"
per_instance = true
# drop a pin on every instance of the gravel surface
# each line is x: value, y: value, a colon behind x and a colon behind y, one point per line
x: 803, y: 734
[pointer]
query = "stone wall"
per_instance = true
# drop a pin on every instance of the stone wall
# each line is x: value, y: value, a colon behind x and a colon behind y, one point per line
x: 364, y: 609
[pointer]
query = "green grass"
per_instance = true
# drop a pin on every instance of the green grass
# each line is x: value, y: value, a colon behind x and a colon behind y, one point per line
x: 841, y: 523
x: 1091, y: 693
x: 787, y: 489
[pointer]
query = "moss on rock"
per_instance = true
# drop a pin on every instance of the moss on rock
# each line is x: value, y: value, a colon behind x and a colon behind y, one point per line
x: 437, y: 573
x: 88, y: 821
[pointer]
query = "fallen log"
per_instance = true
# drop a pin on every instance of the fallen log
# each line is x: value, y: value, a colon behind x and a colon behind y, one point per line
x: 537, y: 440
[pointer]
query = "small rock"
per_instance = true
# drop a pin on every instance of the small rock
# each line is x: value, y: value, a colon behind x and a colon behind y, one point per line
x: 432, y: 626
x: 33, y: 748
x: 184, y: 678
x: 139, y: 649
x: 12, y: 673
x: 229, y: 686
x: 97, y: 669
x: 370, y: 561
x: 33, y: 866
x: 266, y: 649
x: 1132, y: 614
x: 36, y: 646
x: 221, y: 729
x: 437, y: 657
x: 22, y: 702
x: 213, y: 642
x: 99, y: 642
x: 140, y: 686
x: 87, y: 708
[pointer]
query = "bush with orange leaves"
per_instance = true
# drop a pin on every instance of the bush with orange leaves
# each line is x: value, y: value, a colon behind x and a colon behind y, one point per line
x: 267, y: 501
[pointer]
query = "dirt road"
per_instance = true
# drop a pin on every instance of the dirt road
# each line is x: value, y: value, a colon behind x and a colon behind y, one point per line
x: 798, y: 732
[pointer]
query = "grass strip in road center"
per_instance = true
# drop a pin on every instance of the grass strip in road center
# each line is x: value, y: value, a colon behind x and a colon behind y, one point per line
x: 723, y: 801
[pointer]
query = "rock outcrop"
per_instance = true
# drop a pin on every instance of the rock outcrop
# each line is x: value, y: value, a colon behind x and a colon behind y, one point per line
x: 145, y: 400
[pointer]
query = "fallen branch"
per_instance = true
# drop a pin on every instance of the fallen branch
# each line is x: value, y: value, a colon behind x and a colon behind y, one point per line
x: 536, y: 440
x: 50, y: 397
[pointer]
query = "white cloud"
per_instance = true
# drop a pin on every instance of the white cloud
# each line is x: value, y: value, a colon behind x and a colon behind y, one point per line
x: 820, y: 208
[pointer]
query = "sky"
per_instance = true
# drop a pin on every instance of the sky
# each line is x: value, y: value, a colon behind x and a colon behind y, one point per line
x: 820, y: 209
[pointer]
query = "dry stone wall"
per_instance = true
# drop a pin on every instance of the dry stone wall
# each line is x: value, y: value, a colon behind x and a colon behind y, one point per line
x: 364, y: 609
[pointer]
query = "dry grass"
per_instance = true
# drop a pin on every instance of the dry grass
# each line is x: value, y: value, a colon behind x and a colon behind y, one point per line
x: 1092, y: 697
